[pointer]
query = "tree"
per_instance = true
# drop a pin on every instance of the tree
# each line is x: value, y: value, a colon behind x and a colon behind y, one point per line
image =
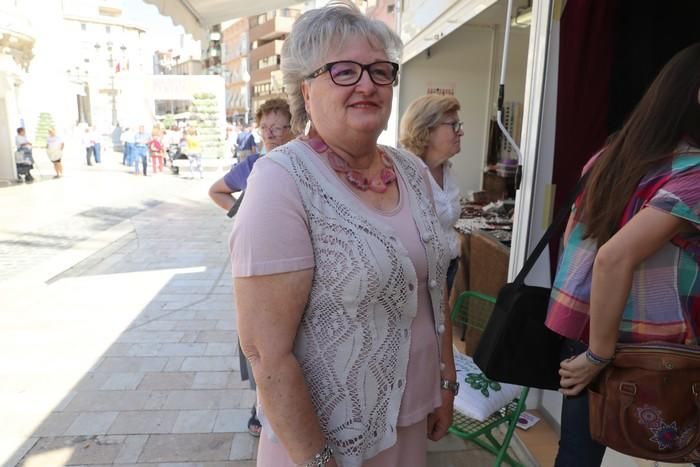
x: 203, y: 116
x: 42, y: 129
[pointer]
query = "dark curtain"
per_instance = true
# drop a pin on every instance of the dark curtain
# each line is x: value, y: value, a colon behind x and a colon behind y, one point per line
x: 585, y: 63
x: 647, y: 34
x: 610, y: 51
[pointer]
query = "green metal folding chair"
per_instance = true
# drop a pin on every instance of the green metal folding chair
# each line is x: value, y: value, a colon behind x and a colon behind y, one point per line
x: 471, y: 312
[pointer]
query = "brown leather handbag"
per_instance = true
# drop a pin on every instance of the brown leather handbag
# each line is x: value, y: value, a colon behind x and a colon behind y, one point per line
x: 646, y: 403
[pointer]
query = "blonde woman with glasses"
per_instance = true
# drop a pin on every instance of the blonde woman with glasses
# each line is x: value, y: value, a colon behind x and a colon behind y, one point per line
x: 431, y: 129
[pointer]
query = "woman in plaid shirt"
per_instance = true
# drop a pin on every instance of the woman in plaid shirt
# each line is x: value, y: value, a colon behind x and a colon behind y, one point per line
x: 630, y: 270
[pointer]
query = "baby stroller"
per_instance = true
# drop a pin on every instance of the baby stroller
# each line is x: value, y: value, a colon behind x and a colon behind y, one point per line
x: 174, y: 153
x: 25, y: 163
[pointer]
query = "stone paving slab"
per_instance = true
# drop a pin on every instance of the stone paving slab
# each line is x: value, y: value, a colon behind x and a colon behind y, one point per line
x: 190, y: 447
x: 145, y: 422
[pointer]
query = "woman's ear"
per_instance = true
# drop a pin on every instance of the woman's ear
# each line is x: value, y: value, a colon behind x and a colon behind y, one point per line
x: 305, y: 94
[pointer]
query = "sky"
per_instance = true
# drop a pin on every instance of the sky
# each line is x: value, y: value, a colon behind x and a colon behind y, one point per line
x: 161, y: 31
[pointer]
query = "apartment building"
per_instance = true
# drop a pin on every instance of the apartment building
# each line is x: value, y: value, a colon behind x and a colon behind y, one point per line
x: 267, y: 33
x: 236, y: 66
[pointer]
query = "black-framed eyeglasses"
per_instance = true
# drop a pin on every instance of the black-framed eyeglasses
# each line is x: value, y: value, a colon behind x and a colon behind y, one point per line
x: 349, y: 73
x: 456, y: 126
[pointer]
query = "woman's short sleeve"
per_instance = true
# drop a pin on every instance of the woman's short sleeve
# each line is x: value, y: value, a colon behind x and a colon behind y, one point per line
x: 270, y: 232
x: 680, y: 196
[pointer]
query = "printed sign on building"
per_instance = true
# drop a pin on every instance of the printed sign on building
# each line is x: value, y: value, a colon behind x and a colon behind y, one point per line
x: 441, y: 89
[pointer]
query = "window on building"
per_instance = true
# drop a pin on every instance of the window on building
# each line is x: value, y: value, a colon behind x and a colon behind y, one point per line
x: 289, y: 12
x: 261, y: 89
x: 108, y: 29
x: 260, y: 19
x: 83, y: 27
x: 390, y: 8
x: 268, y: 61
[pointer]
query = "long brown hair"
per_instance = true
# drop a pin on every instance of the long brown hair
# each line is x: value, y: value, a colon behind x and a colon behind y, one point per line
x: 668, y: 111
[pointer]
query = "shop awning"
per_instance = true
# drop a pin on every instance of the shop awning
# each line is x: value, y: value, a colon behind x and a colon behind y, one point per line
x: 431, y: 20
x: 196, y: 16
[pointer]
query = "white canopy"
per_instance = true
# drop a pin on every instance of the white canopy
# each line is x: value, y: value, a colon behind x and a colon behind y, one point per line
x: 196, y: 16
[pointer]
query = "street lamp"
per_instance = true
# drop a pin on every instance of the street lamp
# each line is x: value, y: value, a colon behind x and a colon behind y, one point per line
x: 112, y: 72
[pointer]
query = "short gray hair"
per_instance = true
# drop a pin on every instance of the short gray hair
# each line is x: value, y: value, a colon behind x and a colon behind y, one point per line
x: 313, y: 36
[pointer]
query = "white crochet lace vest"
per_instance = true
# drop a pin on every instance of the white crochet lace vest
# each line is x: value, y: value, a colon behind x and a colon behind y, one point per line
x: 354, y: 337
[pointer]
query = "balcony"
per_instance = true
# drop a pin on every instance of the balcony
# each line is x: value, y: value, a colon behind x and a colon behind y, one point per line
x: 263, y: 74
x: 267, y: 50
x: 274, y: 28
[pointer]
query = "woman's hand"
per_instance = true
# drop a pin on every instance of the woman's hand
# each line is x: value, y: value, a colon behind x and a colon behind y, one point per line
x: 441, y: 418
x: 577, y: 373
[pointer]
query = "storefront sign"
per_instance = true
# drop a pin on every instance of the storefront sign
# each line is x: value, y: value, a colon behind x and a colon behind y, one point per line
x: 441, y: 89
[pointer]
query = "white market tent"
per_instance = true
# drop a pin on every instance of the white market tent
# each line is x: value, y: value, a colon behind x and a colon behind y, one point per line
x: 196, y: 16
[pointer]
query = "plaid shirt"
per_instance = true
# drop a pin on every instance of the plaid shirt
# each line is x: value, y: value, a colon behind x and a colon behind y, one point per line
x: 664, y: 300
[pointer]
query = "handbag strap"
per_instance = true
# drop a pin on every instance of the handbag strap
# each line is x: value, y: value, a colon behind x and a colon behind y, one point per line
x: 554, y: 227
x: 234, y: 209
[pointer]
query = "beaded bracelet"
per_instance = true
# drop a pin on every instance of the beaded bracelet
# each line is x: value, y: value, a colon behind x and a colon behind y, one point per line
x: 596, y: 359
x: 320, y: 459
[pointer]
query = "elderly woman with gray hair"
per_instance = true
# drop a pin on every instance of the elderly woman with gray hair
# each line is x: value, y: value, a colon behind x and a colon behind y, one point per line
x: 339, y: 265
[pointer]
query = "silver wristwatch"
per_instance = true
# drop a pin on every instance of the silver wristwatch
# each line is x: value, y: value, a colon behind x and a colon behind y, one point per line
x: 450, y: 386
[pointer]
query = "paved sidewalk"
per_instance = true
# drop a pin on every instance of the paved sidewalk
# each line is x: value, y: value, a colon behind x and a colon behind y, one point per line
x: 118, y: 331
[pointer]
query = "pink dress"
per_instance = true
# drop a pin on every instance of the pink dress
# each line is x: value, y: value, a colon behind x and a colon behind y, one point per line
x: 261, y: 250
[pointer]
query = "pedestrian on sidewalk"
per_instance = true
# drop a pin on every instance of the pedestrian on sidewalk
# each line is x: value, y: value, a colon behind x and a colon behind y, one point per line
x: 245, y: 143
x: 127, y: 140
x: 339, y: 265
x: 141, y: 139
x: 155, y: 148
x: 274, y: 118
x: 173, y: 143
x: 88, y: 144
x: 230, y: 142
x: 24, y: 159
x: 96, y: 138
x: 54, y: 149
x: 193, y: 149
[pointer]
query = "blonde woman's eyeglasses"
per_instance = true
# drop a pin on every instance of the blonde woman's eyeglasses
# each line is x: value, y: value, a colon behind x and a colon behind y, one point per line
x: 456, y: 126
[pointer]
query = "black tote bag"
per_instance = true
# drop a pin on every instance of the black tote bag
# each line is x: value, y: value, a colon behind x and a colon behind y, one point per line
x: 516, y: 347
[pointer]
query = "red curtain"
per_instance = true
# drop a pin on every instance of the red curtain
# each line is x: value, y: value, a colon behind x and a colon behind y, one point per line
x: 586, y: 52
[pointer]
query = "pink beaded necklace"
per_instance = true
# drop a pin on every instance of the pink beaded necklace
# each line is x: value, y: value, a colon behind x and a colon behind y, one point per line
x: 379, y: 183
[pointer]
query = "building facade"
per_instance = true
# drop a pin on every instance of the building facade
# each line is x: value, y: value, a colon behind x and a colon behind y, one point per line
x: 105, y: 49
x: 267, y: 34
x: 16, y: 53
x: 383, y: 10
x: 236, y: 66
